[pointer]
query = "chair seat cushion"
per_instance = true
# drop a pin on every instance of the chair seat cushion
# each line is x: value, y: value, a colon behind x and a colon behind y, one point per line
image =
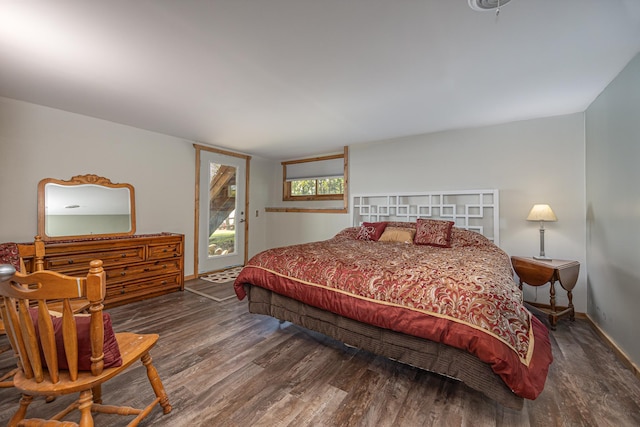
x: 111, y: 349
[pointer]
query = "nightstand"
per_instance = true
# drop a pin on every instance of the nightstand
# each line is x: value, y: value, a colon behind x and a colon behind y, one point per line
x: 535, y: 272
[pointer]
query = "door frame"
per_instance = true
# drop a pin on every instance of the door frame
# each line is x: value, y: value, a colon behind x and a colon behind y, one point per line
x: 196, y: 240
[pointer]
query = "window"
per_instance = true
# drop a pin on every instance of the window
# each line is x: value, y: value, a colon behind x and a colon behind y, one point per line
x: 317, y: 187
x: 318, y: 178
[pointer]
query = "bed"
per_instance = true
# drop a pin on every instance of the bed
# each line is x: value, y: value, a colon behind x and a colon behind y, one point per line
x: 447, y: 304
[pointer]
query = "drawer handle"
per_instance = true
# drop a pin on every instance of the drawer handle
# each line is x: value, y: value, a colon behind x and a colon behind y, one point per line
x: 147, y: 269
x: 165, y: 250
x: 122, y: 291
x: 164, y: 282
x: 70, y: 261
x: 123, y: 255
x: 124, y: 273
x: 175, y: 255
x: 164, y: 265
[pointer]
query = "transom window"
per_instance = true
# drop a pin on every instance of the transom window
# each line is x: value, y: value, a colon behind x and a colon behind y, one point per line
x: 318, y: 178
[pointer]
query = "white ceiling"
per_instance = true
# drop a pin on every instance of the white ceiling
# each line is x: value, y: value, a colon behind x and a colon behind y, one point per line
x: 290, y: 78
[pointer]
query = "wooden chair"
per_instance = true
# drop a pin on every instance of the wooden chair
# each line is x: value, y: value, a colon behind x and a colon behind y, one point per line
x: 21, y: 255
x: 8, y: 255
x: 39, y: 360
x: 34, y: 253
x: 5, y: 379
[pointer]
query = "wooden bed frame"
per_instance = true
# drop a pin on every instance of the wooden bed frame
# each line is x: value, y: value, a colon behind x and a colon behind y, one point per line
x: 476, y: 210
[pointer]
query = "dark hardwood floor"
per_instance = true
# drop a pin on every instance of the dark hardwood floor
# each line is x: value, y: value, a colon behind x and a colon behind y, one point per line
x: 222, y: 366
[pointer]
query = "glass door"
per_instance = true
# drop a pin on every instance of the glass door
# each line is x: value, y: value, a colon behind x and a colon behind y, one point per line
x: 221, y: 212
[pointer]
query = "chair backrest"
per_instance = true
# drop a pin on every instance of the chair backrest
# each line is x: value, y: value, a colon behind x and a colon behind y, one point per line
x: 24, y: 297
x: 34, y: 252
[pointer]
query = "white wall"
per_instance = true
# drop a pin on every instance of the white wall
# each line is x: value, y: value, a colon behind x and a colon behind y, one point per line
x: 613, y: 209
x: 534, y: 161
x: 261, y: 176
x: 288, y: 228
x: 38, y: 142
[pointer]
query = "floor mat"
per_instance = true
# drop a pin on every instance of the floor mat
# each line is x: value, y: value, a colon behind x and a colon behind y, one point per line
x: 223, y: 276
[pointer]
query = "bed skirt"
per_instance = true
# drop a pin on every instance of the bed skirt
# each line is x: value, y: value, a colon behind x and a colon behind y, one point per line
x: 424, y: 354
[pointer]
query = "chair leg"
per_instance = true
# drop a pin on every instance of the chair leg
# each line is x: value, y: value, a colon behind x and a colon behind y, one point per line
x: 84, y: 406
x: 97, y: 394
x: 156, y: 383
x: 22, y: 410
x: 5, y: 382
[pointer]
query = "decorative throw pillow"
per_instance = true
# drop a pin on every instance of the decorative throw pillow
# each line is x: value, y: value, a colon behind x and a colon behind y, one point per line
x: 112, y: 357
x: 397, y: 234
x: 371, y: 230
x: 433, y: 232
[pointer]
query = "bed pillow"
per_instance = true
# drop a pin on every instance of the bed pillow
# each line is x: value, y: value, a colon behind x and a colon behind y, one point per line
x: 433, y: 232
x: 371, y: 230
x: 112, y: 357
x: 397, y: 234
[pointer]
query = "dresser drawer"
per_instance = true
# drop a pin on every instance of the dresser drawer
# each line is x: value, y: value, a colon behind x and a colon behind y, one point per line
x: 134, y: 272
x: 80, y: 261
x: 142, y: 289
x: 169, y: 250
x: 168, y: 282
x: 136, y: 267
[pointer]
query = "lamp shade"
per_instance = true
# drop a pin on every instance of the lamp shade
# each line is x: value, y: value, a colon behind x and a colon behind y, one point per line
x: 541, y: 213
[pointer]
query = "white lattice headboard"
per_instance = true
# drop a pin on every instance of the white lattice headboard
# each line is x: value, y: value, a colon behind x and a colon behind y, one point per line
x: 476, y: 210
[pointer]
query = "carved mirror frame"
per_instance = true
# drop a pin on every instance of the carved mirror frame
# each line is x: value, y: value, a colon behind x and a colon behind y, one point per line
x: 89, y: 181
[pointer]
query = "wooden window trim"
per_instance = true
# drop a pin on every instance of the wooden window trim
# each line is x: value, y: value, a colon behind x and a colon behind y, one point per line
x: 289, y: 198
x: 309, y: 210
x: 286, y: 185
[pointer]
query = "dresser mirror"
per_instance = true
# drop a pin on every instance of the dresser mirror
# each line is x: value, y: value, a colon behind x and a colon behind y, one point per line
x: 85, y: 206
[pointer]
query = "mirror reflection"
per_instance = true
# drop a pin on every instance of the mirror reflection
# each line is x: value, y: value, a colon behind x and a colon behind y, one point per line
x: 86, y: 209
x: 86, y: 205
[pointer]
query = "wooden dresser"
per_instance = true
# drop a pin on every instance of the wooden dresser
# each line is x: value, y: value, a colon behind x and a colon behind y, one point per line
x: 137, y: 267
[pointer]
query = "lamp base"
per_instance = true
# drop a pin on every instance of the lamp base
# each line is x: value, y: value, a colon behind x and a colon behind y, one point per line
x: 543, y: 258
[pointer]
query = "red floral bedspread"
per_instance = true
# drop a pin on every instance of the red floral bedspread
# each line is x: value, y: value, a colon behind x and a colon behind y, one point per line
x: 463, y: 296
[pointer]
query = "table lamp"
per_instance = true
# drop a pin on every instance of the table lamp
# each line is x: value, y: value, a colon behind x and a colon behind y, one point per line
x: 542, y: 213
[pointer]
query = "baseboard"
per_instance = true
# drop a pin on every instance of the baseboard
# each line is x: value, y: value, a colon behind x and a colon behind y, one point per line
x: 617, y: 350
